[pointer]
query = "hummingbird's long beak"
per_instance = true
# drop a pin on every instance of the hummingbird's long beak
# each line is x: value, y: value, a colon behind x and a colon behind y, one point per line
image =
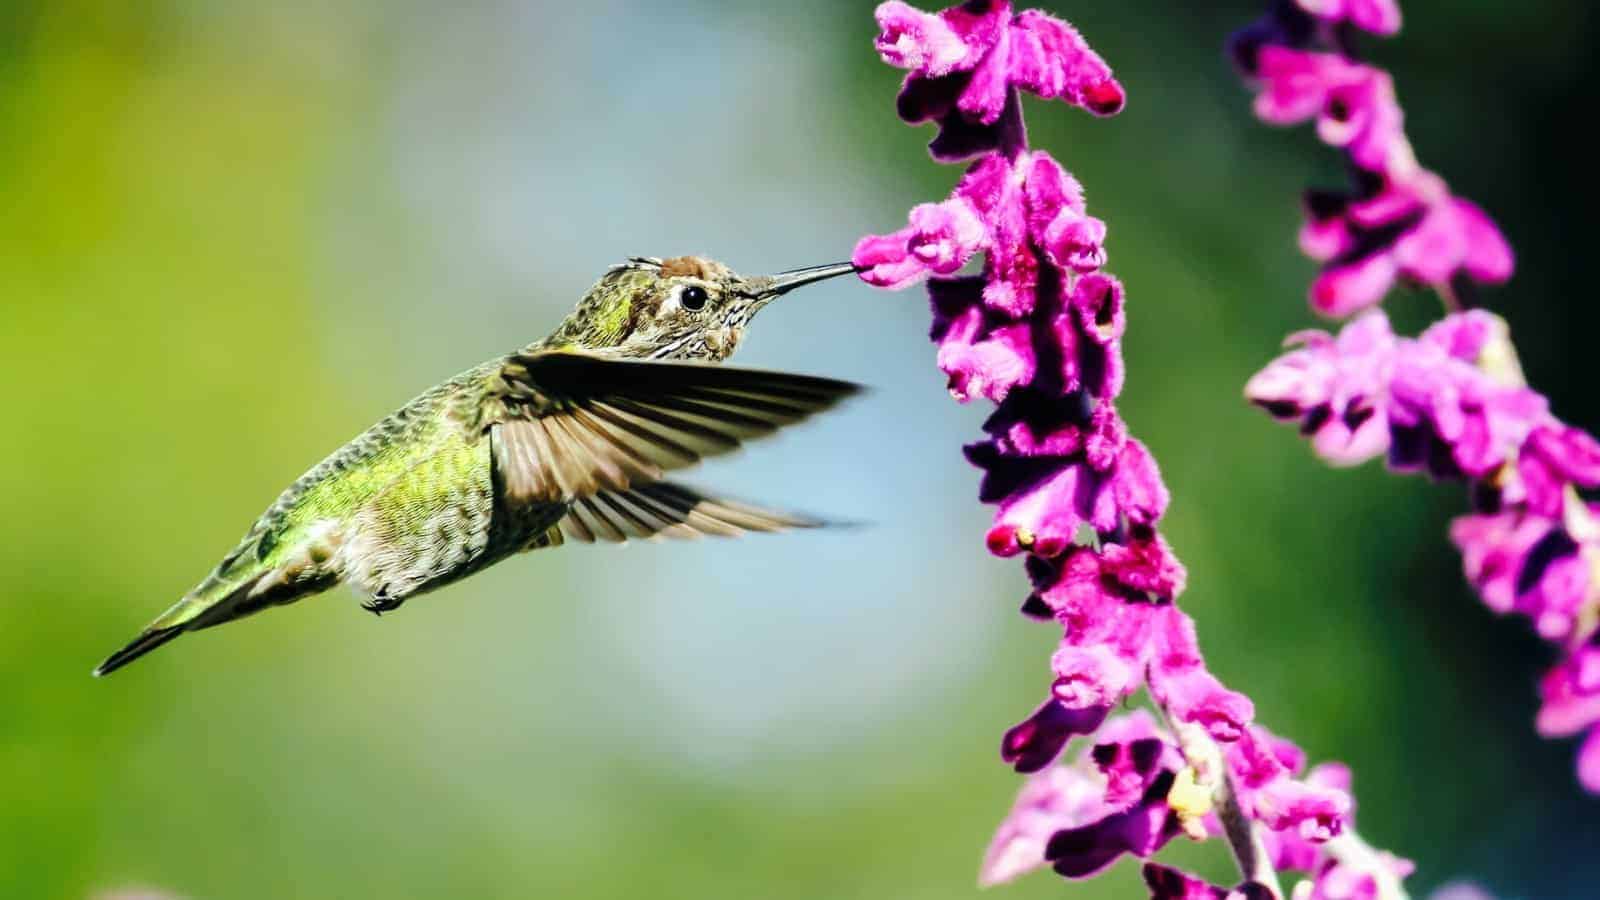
x: 772, y: 286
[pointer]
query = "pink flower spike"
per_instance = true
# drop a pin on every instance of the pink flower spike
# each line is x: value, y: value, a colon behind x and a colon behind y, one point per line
x: 1039, y: 333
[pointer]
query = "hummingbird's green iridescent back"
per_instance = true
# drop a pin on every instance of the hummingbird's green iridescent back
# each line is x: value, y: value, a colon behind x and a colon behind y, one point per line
x: 568, y: 437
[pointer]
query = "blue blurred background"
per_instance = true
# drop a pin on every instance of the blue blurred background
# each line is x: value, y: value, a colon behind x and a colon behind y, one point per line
x: 236, y: 233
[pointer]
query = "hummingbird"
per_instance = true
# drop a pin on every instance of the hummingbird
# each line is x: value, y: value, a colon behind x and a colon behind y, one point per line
x: 570, y: 437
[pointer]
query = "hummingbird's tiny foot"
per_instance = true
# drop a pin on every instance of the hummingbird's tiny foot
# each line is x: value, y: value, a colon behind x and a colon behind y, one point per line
x: 382, y: 602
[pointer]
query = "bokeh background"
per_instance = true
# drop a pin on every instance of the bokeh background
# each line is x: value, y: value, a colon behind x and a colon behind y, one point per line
x: 235, y: 233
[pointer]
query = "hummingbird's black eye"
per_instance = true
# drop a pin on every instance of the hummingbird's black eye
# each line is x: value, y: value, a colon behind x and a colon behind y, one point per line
x: 693, y: 298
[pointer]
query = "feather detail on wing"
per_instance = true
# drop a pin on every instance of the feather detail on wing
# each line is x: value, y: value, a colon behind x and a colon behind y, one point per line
x: 576, y: 425
x: 670, y: 511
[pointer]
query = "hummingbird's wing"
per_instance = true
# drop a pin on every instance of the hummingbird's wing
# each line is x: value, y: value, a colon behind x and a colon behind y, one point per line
x: 572, y: 425
x: 669, y: 510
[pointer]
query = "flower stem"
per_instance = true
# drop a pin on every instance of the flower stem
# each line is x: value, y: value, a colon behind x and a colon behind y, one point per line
x: 1242, y: 834
x: 1450, y: 298
x: 1244, y: 838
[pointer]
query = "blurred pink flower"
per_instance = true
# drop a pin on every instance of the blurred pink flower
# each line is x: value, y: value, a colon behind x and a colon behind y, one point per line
x: 1450, y: 402
x: 1166, y: 883
x: 1399, y: 222
x: 1413, y: 231
x: 1376, y: 16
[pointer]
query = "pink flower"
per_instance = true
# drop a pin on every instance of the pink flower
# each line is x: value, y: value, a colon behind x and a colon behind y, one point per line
x: 1294, y: 849
x: 1270, y: 794
x: 928, y: 44
x: 1494, y: 550
x: 1166, y: 883
x: 982, y: 353
x: 1571, y: 695
x: 1553, y: 457
x: 1438, y: 401
x: 1055, y: 798
x: 1367, y: 391
x: 1081, y: 816
x: 1336, y: 388
x: 1410, y: 229
x: 1337, y: 880
x: 1035, y: 742
x: 1354, y: 105
x: 939, y: 240
x: 966, y: 62
x: 1376, y: 16
x: 1003, y: 209
x: 1180, y: 683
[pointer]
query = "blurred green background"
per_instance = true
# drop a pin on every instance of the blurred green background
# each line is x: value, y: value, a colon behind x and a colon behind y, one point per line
x: 236, y: 233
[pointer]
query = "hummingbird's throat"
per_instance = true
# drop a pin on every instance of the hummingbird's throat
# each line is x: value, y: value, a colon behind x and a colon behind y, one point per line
x: 721, y: 342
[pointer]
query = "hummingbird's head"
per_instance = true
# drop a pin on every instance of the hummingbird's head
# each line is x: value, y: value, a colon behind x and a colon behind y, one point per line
x: 687, y: 307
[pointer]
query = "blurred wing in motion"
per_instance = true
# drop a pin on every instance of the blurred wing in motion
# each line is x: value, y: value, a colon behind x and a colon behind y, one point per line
x: 575, y: 425
x: 671, y: 511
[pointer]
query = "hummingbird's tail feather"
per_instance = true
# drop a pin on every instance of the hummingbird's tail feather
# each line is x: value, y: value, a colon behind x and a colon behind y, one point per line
x: 180, y: 617
x: 148, y: 640
x: 663, y: 509
x: 218, y: 600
